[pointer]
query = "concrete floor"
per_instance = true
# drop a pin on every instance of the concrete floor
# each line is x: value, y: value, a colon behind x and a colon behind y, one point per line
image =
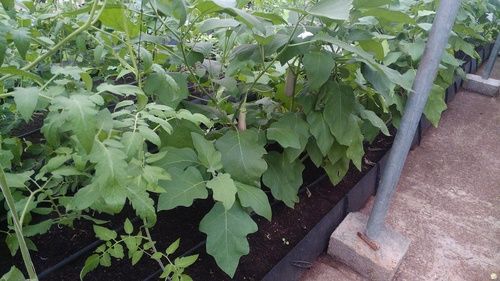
x: 448, y: 199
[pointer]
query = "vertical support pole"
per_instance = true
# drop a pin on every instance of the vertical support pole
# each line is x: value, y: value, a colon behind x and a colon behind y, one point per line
x: 491, y: 60
x: 424, y: 79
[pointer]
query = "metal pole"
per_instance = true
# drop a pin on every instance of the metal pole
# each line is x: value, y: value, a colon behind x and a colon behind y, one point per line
x: 426, y: 73
x: 491, y: 60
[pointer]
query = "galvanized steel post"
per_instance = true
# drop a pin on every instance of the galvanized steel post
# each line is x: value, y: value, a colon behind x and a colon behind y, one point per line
x: 426, y: 73
x: 491, y: 60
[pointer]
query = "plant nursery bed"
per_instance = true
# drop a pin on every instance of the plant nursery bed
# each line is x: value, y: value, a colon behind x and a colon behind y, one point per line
x: 267, y: 246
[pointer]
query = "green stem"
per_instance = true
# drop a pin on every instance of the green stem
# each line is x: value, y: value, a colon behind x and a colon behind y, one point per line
x: 148, y: 235
x: 244, y: 100
x: 30, y: 268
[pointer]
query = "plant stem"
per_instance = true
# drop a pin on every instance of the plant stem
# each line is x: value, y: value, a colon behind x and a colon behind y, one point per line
x: 148, y: 235
x: 30, y: 268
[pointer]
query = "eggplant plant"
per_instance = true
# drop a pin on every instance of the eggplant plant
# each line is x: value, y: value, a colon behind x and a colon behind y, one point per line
x: 155, y: 104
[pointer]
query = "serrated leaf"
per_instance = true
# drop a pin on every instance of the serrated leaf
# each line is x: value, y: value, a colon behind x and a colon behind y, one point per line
x: 21, y: 41
x: 208, y: 156
x: 224, y: 189
x: 226, y: 235
x: 150, y: 135
x: 91, y: 263
x: 242, y: 155
x: 253, y: 197
x: 283, y: 178
x: 133, y: 143
x: 184, y: 262
x: 173, y: 247
x: 26, y: 100
x: 128, y: 227
x: 332, y: 9
x: 318, y: 66
x: 170, y: 89
x: 79, y: 112
x: 14, y: 274
x: 140, y: 200
x: 183, y: 189
x: 104, y: 233
x: 136, y: 257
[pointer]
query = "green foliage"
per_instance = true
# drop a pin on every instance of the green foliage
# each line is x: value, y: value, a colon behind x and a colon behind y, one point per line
x: 157, y: 104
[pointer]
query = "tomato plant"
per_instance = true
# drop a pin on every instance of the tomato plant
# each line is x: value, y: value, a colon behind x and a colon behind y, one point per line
x: 158, y: 103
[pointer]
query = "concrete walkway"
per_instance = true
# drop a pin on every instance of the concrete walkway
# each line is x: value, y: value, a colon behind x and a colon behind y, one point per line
x: 448, y: 199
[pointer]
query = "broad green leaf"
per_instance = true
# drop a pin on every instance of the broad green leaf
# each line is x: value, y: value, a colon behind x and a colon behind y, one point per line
x: 208, y: 156
x: 180, y: 158
x: 172, y: 8
x: 224, y: 189
x: 211, y: 24
x: 295, y: 124
x: 337, y: 170
x: 413, y: 49
x: 355, y: 151
x: 283, y: 132
x: 374, y: 120
x: 226, y: 235
x: 389, y: 15
x: 338, y: 113
x: 242, y: 155
x: 253, y: 197
x: 378, y: 48
x: 318, y: 66
x: 320, y: 130
x: 21, y: 41
x: 337, y: 163
x: 391, y: 74
x: 104, y: 233
x: 183, y: 189
x: 170, y: 89
x: 283, y: 178
x: 118, y: 19
x: 314, y: 153
x: 364, y: 4
x: 332, y: 9
x: 435, y: 105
